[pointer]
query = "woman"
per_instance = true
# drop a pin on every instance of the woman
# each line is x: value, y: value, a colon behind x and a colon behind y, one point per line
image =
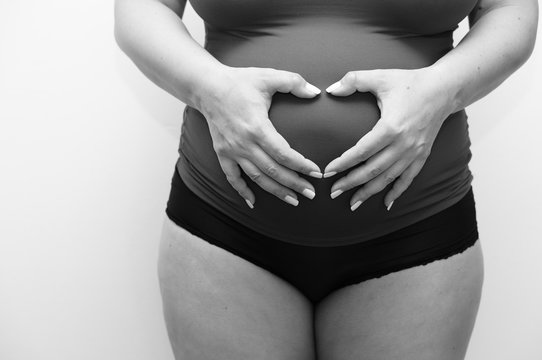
x: 379, y: 258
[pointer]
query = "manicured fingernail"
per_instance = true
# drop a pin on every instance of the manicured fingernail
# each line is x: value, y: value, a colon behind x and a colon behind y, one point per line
x: 249, y: 204
x: 333, y: 86
x: 329, y: 174
x: 356, y: 205
x: 316, y: 174
x: 336, y: 193
x: 389, y: 206
x: 313, y: 89
x: 308, y: 193
x: 291, y: 200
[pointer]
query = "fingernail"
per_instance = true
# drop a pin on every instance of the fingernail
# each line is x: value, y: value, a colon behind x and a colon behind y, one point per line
x: 389, y: 206
x: 249, y: 204
x: 316, y: 174
x: 333, y: 86
x: 336, y: 193
x: 291, y: 200
x: 356, y: 205
x: 308, y: 193
x: 313, y: 89
x: 329, y: 174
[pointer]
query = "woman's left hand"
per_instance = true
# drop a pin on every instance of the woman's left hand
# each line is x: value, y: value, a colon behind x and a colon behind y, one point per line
x: 413, y: 106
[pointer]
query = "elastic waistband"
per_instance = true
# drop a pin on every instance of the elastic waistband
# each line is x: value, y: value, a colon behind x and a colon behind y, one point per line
x: 189, y: 211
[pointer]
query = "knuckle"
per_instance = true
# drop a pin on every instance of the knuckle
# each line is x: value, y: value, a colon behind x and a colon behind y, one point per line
x: 282, y: 155
x: 240, y: 146
x: 423, y: 150
x: 409, y: 143
x: 360, y: 156
x: 393, y: 129
x: 383, y: 77
x: 230, y: 146
x: 255, y: 133
x: 255, y: 176
x: 296, y: 79
x: 247, y: 132
x: 221, y: 149
x: 350, y: 77
x: 375, y: 171
x: 427, y: 152
x: 271, y: 170
x: 389, y: 178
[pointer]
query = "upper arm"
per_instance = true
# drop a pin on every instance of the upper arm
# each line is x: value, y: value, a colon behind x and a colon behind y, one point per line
x: 484, y: 6
x: 176, y: 6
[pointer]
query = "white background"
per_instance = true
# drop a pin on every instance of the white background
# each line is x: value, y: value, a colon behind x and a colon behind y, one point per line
x: 88, y: 146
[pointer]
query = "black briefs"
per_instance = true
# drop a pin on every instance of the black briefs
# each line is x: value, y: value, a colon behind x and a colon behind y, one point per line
x: 319, y: 270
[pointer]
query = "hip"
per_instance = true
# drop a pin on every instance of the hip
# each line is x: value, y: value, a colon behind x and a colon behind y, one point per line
x: 322, y: 221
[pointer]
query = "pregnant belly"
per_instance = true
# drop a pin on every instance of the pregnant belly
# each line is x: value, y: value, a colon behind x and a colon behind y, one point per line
x: 325, y: 126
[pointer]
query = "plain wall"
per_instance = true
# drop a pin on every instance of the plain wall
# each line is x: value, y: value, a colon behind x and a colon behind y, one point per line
x: 88, y: 146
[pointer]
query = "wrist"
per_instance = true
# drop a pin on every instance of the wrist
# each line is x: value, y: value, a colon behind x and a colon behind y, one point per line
x: 212, y: 85
x: 448, y: 85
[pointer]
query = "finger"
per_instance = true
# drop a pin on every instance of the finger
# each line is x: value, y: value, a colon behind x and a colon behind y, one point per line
x: 278, y: 148
x: 359, y: 80
x: 403, y: 182
x: 290, y: 82
x: 233, y: 175
x: 367, y: 146
x: 377, y: 184
x: 281, y: 174
x: 268, y: 184
x: 375, y: 166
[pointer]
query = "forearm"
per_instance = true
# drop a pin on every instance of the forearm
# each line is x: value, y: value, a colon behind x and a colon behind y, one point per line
x: 157, y: 41
x: 498, y: 43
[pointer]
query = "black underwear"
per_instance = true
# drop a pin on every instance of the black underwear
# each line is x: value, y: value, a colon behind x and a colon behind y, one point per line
x: 317, y: 271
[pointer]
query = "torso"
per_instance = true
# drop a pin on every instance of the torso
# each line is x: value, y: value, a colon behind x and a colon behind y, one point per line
x: 322, y: 40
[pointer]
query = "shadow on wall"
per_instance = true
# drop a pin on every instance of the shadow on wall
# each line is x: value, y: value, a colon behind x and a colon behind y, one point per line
x: 498, y: 107
x: 162, y: 107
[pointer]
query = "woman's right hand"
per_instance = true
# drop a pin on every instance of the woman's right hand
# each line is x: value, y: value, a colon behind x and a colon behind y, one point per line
x: 242, y: 134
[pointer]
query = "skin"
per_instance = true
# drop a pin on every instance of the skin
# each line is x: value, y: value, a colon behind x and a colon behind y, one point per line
x: 218, y: 305
x: 243, y: 134
x: 153, y: 35
x: 415, y: 103
x: 235, y: 101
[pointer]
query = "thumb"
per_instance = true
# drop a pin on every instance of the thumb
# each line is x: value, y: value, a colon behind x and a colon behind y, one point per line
x: 352, y: 81
x: 290, y: 82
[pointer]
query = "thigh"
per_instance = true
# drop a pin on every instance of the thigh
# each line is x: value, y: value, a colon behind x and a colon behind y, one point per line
x: 422, y: 313
x: 220, y: 306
